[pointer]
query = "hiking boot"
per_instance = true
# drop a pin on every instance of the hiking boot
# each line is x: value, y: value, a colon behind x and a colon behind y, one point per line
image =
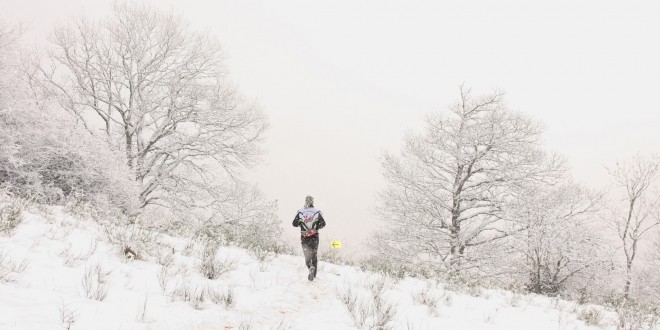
x: 312, y: 273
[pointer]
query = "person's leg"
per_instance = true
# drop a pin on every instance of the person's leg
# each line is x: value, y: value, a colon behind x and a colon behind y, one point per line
x: 314, y: 244
x: 307, y: 252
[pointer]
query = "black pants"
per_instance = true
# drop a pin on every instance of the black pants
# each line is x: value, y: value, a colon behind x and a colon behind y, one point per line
x: 310, y: 246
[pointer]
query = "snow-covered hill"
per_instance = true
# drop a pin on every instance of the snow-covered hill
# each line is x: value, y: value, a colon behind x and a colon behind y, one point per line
x: 59, y: 271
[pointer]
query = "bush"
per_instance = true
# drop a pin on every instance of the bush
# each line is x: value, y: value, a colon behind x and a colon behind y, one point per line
x: 197, y: 295
x: 334, y: 256
x: 9, y: 267
x: 590, y: 316
x: 95, y: 282
x: 367, y: 304
x: 633, y: 316
x: 134, y: 240
x: 11, y: 215
x: 212, y: 267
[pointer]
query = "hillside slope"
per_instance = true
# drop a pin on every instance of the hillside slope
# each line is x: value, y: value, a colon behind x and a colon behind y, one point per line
x: 60, y: 271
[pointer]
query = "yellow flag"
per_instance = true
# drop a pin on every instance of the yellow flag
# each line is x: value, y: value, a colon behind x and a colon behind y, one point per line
x: 336, y: 245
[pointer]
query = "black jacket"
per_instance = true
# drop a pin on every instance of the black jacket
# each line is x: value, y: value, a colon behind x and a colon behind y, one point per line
x: 318, y: 225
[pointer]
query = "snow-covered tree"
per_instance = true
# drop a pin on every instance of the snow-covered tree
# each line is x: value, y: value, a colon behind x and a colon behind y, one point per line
x: 160, y: 92
x: 637, y: 212
x: 561, y: 244
x: 652, y: 274
x: 449, y: 189
x: 44, y: 155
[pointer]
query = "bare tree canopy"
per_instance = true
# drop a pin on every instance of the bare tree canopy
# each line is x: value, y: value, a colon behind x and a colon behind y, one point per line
x: 160, y: 92
x: 448, y: 190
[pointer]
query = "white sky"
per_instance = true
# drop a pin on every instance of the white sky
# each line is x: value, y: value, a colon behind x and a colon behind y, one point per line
x: 342, y: 81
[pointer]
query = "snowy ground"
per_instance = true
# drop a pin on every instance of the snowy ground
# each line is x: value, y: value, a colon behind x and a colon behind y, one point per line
x: 57, y: 271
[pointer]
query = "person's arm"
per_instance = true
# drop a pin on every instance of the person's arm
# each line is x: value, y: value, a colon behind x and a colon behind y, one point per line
x: 296, y: 220
x: 321, y: 223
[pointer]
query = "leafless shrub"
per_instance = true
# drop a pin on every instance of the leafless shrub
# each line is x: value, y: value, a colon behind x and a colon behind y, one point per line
x: 334, y: 256
x: 72, y: 259
x: 133, y: 239
x: 215, y: 294
x: 363, y: 312
x: 427, y: 297
x: 368, y: 307
x: 11, y: 215
x: 75, y: 206
x: 45, y: 211
x: 383, y: 265
x: 635, y: 317
x: 246, y: 324
x: 192, y: 295
x: 165, y: 255
x: 211, y: 266
x: 198, y: 295
x: 260, y: 254
x: 221, y: 297
x: 9, y: 268
x: 424, y: 297
x: 188, y: 250
x: 590, y: 316
x: 182, y: 291
x: 66, y: 253
x: 383, y: 312
x: 514, y: 300
x: 228, y: 298
x: 377, y: 285
x: 347, y: 296
x: 164, y: 277
x: 67, y: 316
x: 95, y: 282
x: 488, y: 316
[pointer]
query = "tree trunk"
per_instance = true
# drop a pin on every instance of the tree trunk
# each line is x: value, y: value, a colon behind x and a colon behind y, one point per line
x: 626, y: 288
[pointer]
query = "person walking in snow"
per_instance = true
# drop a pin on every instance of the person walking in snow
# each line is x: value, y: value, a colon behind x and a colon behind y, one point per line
x: 310, y: 220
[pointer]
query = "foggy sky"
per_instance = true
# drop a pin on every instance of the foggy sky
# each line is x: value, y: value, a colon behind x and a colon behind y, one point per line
x: 343, y: 81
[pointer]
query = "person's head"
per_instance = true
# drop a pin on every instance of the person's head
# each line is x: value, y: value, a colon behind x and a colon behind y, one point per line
x: 309, y: 201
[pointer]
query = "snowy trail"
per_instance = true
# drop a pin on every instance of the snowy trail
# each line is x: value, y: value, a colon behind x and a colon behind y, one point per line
x: 318, y: 306
x: 284, y: 296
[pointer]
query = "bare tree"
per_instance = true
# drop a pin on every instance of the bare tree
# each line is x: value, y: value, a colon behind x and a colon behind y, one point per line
x: 639, y: 213
x: 561, y: 242
x: 449, y: 188
x: 160, y: 92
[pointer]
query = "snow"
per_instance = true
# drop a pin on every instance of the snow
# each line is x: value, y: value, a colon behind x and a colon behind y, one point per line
x: 267, y: 291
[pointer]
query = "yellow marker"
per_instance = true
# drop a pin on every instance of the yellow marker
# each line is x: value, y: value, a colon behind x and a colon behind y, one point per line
x: 336, y: 245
